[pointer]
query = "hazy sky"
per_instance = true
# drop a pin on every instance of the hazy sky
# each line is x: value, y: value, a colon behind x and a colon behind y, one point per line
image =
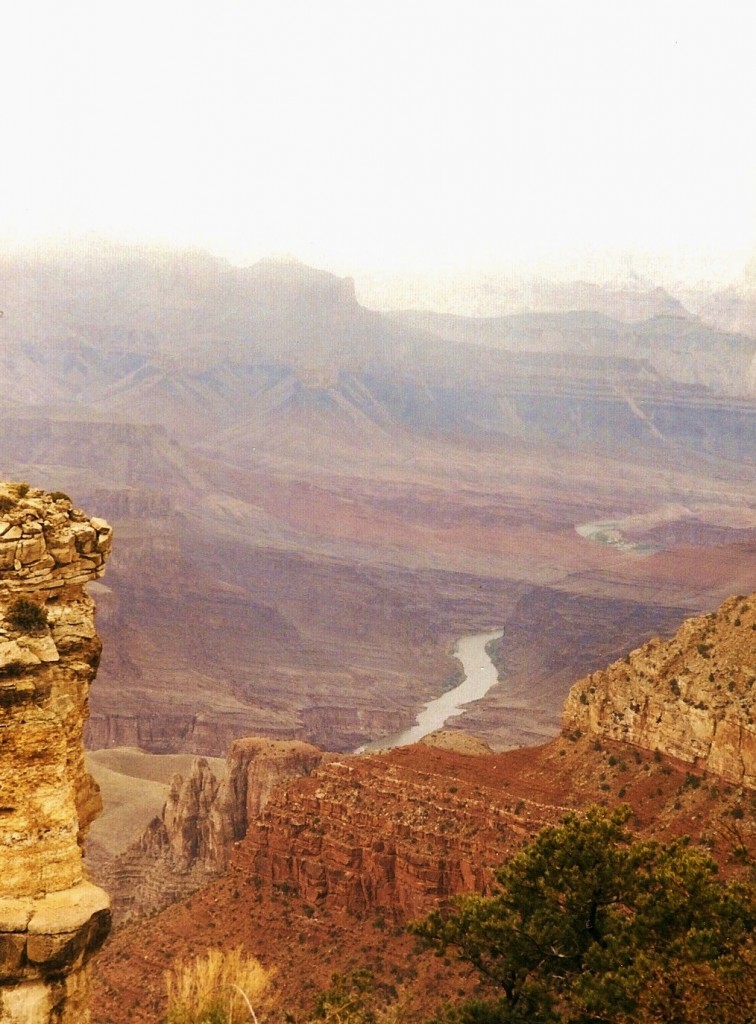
x: 360, y: 134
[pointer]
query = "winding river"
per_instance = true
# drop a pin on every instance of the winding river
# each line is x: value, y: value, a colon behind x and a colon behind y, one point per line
x: 480, y: 676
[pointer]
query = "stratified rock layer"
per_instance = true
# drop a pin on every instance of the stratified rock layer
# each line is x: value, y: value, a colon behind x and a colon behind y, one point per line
x: 51, y: 918
x: 692, y: 697
x: 201, y: 820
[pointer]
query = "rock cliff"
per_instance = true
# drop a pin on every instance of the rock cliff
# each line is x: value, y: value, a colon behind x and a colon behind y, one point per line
x: 389, y: 834
x: 362, y: 833
x: 51, y: 917
x: 394, y: 833
x: 201, y: 821
x: 692, y: 697
x: 368, y: 834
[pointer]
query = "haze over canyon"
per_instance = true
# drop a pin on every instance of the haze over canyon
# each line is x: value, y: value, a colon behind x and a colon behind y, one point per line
x: 313, y: 501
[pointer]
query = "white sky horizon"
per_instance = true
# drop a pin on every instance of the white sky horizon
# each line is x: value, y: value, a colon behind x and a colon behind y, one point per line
x: 363, y: 138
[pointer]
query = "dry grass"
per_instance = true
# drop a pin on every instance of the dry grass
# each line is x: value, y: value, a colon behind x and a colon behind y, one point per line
x: 217, y: 987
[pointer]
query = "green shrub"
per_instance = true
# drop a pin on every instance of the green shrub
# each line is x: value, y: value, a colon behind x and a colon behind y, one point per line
x: 7, y: 503
x: 589, y: 924
x: 26, y: 616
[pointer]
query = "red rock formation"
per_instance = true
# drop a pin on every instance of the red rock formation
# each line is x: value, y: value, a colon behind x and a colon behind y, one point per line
x: 364, y: 833
x: 256, y: 768
x: 201, y: 820
x: 400, y: 831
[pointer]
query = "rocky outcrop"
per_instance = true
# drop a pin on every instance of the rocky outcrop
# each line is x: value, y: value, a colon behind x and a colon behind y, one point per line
x: 186, y: 834
x: 372, y: 834
x: 51, y: 918
x: 175, y: 854
x: 200, y: 822
x: 256, y: 769
x: 692, y: 697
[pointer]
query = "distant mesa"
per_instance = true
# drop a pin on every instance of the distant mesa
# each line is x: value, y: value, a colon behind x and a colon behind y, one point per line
x: 318, y: 376
x: 314, y: 499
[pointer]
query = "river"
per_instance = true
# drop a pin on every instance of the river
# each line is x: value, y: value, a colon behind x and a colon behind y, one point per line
x: 480, y: 676
x: 608, y: 532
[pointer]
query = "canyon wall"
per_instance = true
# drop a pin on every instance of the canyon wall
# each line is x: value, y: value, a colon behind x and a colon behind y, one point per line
x: 201, y: 821
x: 395, y: 833
x: 362, y: 833
x: 368, y: 834
x: 692, y: 697
x: 51, y: 917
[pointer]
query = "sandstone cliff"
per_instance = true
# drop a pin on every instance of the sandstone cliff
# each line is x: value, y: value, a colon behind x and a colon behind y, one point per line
x: 200, y: 822
x: 51, y: 917
x: 692, y: 697
x: 368, y: 834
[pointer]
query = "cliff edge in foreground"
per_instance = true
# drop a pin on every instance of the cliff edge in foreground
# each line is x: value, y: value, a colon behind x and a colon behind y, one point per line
x: 51, y: 918
x: 692, y: 697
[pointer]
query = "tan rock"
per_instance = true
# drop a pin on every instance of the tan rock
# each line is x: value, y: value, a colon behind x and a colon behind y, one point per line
x: 692, y: 697
x: 51, y: 920
x: 15, y: 914
x: 13, y: 654
x: 68, y: 910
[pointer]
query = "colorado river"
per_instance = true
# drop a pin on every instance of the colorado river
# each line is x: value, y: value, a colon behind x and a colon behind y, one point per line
x: 609, y: 533
x: 480, y: 676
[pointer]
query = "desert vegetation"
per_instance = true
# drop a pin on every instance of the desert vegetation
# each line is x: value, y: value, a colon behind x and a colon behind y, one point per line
x: 217, y: 987
x: 26, y: 616
x: 587, y: 925
x: 590, y: 925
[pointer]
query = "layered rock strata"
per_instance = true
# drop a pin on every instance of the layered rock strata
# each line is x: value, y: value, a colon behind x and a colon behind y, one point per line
x: 371, y: 833
x: 201, y: 820
x: 692, y: 697
x: 51, y: 917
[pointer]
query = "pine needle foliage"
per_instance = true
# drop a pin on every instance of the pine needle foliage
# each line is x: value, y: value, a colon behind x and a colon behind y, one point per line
x: 590, y: 926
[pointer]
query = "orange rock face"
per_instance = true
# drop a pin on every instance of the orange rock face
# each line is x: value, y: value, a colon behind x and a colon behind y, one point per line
x: 201, y: 821
x: 51, y: 918
x: 365, y: 833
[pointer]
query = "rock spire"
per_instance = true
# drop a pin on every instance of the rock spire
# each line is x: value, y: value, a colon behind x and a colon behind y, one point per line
x: 51, y: 917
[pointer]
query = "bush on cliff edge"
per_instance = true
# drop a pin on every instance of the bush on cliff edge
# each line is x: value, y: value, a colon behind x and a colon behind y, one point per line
x: 26, y: 616
x: 589, y: 926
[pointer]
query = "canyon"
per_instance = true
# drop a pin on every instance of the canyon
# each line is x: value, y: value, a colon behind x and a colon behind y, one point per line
x: 343, y: 851
x: 297, y: 805
x: 315, y: 500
